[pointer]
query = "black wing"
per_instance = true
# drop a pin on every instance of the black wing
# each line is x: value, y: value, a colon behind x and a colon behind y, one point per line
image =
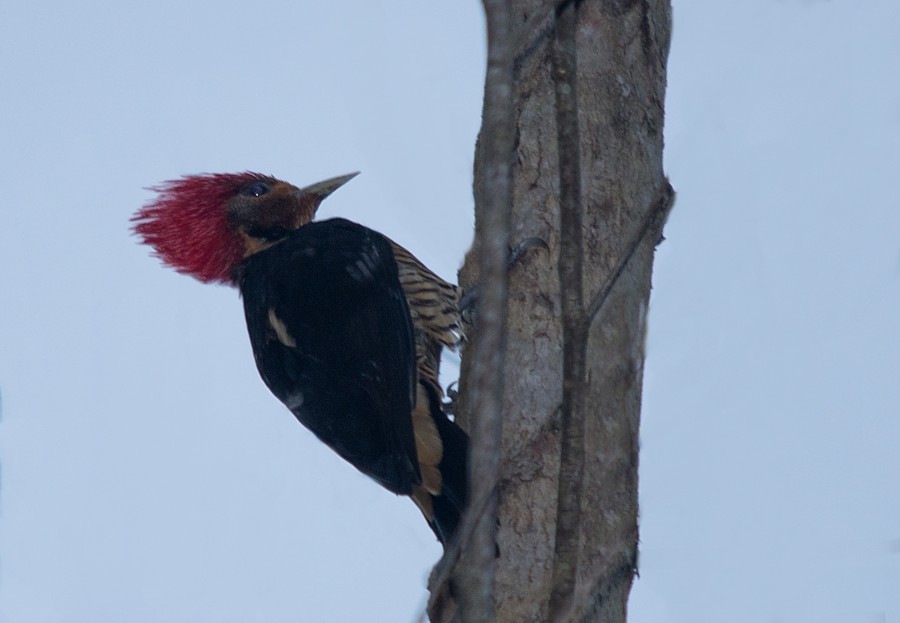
x: 333, y: 340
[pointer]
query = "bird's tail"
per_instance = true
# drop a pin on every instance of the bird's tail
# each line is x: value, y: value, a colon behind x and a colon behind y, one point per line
x: 444, y: 508
x: 454, y: 466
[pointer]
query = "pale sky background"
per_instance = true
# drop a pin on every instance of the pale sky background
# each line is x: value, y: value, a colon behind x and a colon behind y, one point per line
x: 149, y: 476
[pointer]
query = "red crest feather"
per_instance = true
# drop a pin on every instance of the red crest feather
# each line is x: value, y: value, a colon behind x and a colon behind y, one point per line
x: 187, y: 224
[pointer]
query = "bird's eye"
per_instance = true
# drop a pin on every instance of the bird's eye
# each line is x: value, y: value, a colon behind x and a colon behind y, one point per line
x: 255, y: 189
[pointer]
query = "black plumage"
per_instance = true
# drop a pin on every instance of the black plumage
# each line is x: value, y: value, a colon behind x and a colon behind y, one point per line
x: 332, y: 338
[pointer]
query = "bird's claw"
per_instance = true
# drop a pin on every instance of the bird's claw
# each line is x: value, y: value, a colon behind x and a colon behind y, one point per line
x: 470, y: 297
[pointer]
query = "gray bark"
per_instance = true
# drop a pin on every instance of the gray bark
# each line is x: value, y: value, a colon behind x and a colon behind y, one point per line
x: 585, y: 562
x: 473, y: 577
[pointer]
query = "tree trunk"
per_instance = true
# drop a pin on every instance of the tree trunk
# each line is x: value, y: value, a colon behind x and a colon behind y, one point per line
x: 568, y: 537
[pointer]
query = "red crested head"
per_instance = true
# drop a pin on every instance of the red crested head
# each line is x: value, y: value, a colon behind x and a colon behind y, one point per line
x: 187, y: 224
x: 204, y: 225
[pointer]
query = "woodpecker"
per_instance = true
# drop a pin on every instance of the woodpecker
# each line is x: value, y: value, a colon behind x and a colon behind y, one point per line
x: 346, y: 326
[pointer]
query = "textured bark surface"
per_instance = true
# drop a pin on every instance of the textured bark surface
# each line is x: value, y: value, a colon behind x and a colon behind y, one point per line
x: 622, y: 48
x: 473, y: 575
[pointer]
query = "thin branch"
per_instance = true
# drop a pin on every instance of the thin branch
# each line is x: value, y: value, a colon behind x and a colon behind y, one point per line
x: 654, y: 219
x: 571, y: 470
x: 473, y: 578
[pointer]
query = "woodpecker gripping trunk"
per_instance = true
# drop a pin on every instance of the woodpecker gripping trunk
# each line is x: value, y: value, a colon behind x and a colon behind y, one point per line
x: 347, y: 327
x: 333, y: 339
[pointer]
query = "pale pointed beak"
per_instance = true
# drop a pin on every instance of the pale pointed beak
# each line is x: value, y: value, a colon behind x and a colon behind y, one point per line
x: 320, y: 190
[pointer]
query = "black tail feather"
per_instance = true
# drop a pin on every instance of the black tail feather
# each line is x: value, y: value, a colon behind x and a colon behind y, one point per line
x: 454, y: 467
x: 449, y: 505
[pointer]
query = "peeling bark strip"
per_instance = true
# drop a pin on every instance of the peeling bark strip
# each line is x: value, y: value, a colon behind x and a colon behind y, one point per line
x: 571, y: 469
x: 473, y: 575
x: 568, y: 551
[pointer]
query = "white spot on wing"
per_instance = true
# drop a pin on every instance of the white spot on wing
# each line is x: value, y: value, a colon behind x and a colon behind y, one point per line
x: 363, y: 268
x: 294, y: 400
x: 281, y: 332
